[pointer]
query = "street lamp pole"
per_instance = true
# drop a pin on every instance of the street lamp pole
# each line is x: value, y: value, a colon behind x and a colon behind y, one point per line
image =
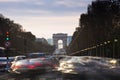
x: 114, y: 47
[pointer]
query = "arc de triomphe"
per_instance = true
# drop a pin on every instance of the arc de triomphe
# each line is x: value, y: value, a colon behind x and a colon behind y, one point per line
x: 60, y: 36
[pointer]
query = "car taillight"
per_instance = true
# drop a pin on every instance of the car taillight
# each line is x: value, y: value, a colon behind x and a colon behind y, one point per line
x: 16, y: 67
x: 31, y: 66
x: 42, y: 58
x: 19, y: 66
x: 38, y: 64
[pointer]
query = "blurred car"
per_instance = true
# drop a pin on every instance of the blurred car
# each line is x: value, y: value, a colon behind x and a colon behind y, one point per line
x: 32, y: 66
x: 89, y: 68
x: 55, y: 61
x: 16, y: 58
x: 5, y: 63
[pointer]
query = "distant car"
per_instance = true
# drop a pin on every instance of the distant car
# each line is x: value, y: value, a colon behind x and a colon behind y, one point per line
x: 89, y: 68
x: 32, y: 65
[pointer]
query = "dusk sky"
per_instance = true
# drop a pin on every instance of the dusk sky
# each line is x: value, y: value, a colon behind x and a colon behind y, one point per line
x: 45, y: 17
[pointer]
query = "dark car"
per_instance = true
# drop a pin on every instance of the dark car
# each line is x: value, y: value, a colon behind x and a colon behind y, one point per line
x: 89, y: 68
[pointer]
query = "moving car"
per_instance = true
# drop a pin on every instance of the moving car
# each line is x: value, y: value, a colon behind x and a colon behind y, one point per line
x: 17, y: 58
x: 89, y: 68
x: 32, y: 66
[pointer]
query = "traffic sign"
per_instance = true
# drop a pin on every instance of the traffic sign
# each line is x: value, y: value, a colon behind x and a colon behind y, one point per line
x: 7, y: 44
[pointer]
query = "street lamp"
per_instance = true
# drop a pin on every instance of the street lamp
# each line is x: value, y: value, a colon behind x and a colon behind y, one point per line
x: 115, y: 40
x: 101, y: 49
x: 108, y: 41
x: 105, y: 43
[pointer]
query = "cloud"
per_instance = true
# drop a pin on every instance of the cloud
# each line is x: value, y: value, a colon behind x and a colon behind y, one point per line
x: 72, y: 3
x: 38, y: 2
x: 44, y: 7
x: 22, y: 2
x: 11, y: 1
x: 25, y: 12
x: 38, y: 12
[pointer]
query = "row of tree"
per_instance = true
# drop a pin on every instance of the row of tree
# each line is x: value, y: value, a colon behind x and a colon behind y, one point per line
x: 21, y: 41
x: 101, y: 23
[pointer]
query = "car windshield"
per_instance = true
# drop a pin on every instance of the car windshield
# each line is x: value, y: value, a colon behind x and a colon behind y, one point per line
x: 19, y: 58
x: 36, y: 55
x: 60, y: 39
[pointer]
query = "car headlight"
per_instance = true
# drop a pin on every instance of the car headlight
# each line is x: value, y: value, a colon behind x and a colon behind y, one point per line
x: 113, y: 61
x: 70, y: 65
x: 72, y: 71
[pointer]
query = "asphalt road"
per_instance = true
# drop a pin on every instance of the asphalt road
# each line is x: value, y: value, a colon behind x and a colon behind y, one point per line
x: 58, y: 76
x: 44, y: 76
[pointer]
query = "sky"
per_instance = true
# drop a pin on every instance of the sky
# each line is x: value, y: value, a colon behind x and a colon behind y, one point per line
x: 45, y: 17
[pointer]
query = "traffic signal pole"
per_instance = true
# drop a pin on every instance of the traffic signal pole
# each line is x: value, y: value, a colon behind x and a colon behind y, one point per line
x: 7, y: 52
x: 7, y: 45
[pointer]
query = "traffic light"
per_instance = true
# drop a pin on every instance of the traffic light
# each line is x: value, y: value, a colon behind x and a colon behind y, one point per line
x: 7, y: 43
x: 7, y: 36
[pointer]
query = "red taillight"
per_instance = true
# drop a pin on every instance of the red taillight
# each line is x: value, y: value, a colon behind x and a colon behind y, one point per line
x: 42, y: 58
x: 31, y: 66
x: 16, y: 67
x: 38, y: 64
x: 19, y: 66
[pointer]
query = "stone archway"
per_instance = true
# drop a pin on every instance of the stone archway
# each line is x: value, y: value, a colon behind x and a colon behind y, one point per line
x: 60, y: 36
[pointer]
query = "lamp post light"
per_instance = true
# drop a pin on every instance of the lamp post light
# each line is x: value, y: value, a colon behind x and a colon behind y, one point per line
x: 101, y: 49
x: 105, y: 47
x: 97, y: 46
x: 105, y: 43
x: 108, y: 41
x: 115, y: 40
